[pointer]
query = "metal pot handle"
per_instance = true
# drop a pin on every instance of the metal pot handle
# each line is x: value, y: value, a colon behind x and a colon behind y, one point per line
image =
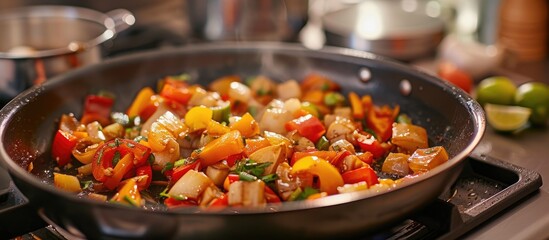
x: 122, y: 18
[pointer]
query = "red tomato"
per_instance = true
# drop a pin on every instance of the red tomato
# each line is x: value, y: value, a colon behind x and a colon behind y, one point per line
x: 365, y: 173
x: 451, y: 73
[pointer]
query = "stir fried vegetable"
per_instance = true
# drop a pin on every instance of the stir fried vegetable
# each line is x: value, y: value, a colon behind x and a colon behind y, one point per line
x: 237, y: 143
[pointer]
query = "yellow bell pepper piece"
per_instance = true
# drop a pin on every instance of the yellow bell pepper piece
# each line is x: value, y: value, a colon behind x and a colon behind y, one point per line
x: 327, y: 174
x: 198, y: 118
x: 129, y: 194
x: 228, y: 144
x: 142, y: 99
x: 67, y: 182
x: 246, y: 125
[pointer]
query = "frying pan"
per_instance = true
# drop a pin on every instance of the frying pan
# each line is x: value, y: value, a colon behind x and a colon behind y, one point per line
x: 28, y: 122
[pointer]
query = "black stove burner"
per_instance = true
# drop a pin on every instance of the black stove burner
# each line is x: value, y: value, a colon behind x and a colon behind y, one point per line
x: 486, y: 187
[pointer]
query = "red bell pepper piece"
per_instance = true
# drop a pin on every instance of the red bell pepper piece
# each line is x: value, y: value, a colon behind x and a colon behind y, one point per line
x: 97, y: 104
x: 271, y: 196
x: 179, y: 171
x: 102, y: 164
x: 63, y: 143
x: 231, y: 160
x: 372, y: 145
x: 307, y: 126
x: 145, y: 170
x: 178, y: 94
x: 220, y: 202
x: 171, y: 202
x: 365, y: 173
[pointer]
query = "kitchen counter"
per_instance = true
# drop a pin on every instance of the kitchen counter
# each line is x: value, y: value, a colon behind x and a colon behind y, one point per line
x: 529, y: 218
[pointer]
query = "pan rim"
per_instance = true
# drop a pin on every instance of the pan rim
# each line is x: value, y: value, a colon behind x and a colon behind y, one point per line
x: 349, y: 55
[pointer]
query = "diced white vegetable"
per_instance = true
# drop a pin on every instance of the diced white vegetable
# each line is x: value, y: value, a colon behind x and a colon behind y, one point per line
x: 218, y: 172
x: 341, y: 145
x: 341, y: 128
x: 288, y: 89
x: 169, y: 154
x: 113, y: 131
x: 239, y: 92
x: 172, y: 123
x: 94, y: 131
x: 274, y: 154
x: 191, y: 185
x: 273, y: 120
x: 409, y: 137
x: 250, y: 194
x: 291, y: 105
x: 147, y: 125
x: 396, y: 163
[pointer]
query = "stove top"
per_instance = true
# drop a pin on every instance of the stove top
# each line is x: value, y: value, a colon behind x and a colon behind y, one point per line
x: 486, y: 187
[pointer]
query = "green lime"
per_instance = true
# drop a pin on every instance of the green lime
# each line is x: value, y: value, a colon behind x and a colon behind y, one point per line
x: 506, y: 118
x: 496, y: 90
x: 534, y: 95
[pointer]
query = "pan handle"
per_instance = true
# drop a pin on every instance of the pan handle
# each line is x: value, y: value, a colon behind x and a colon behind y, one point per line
x: 122, y: 18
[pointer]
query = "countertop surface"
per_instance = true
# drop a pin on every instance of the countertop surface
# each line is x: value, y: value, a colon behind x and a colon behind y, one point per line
x: 529, y: 218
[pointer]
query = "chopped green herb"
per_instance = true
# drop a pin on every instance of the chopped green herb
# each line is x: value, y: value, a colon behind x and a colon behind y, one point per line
x: 164, y: 193
x: 167, y: 167
x: 403, y: 118
x: 322, y: 143
x: 180, y: 162
x: 116, y: 158
x: 182, y: 77
x: 333, y: 99
x: 130, y: 145
x: 139, y: 138
x: 86, y: 184
x: 251, y: 167
x: 269, y: 178
x: 151, y: 159
x: 129, y: 200
x: 180, y: 197
x: 308, y: 191
x: 105, y: 93
x: 244, y: 176
x: 262, y: 92
x: 325, y: 87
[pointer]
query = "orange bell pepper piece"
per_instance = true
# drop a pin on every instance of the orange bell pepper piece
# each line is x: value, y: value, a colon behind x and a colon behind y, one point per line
x: 142, y: 100
x: 356, y: 106
x: 246, y: 125
x: 228, y: 144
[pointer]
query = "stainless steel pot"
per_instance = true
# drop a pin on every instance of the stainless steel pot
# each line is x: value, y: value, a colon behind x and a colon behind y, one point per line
x: 247, y: 20
x: 42, y: 41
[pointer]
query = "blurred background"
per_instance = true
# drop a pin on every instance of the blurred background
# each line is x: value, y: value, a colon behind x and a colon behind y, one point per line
x: 407, y: 30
